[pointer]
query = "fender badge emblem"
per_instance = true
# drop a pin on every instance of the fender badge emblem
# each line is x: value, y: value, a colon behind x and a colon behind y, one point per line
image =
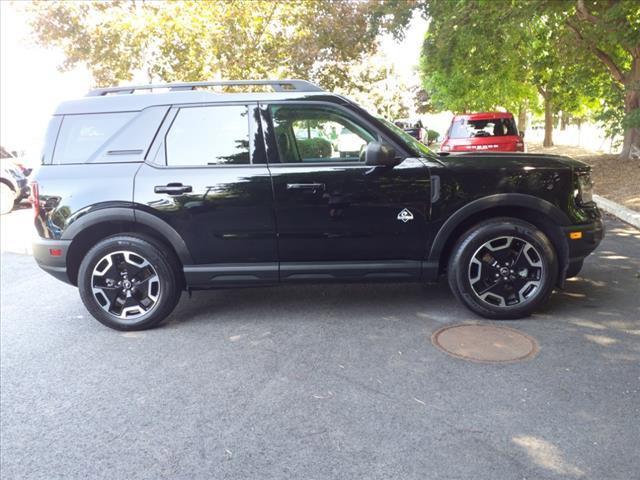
x: 405, y: 215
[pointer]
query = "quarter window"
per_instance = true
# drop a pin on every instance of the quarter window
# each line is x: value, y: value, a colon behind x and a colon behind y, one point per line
x: 81, y: 136
x: 217, y: 135
x: 318, y: 134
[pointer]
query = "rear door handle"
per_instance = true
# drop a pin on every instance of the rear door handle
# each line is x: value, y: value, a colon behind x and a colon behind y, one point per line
x: 173, y: 188
x: 314, y: 187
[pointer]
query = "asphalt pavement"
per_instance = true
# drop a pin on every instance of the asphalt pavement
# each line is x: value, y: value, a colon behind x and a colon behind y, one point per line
x: 320, y: 382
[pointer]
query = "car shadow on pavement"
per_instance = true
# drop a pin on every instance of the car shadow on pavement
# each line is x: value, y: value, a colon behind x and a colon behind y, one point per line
x: 602, y: 304
x: 333, y: 300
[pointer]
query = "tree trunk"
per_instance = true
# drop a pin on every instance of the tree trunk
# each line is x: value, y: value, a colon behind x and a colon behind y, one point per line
x: 548, y: 122
x: 631, y: 144
x: 522, y: 118
x: 563, y: 121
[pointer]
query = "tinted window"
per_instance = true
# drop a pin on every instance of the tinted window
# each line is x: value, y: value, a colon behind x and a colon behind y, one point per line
x: 82, y: 135
x: 209, y: 136
x: 495, y: 127
x: 317, y: 134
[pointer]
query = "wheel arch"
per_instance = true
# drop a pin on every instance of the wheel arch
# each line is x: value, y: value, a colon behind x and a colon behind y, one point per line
x: 8, y: 183
x: 86, y: 231
x: 541, y: 213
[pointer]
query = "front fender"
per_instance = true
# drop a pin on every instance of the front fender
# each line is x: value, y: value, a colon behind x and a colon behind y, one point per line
x: 500, y: 200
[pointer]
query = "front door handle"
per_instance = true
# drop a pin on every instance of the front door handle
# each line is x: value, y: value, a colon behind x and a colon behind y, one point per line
x: 313, y: 187
x: 173, y: 188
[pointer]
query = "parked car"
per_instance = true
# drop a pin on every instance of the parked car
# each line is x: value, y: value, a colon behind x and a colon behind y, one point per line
x: 487, y: 131
x: 13, y: 186
x: 141, y: 197
x: 415, y: 129
x: 7, y: 156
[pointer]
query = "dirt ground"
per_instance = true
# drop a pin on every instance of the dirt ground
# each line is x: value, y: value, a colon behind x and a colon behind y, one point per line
x: 615, y: 179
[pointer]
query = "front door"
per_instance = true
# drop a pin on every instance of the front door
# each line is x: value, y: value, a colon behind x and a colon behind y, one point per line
x: 336, y: 216
x: 208, y: 179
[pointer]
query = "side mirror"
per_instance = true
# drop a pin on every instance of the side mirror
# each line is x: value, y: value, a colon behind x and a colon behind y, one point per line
x: 378, y: 154
x: 521, y: 133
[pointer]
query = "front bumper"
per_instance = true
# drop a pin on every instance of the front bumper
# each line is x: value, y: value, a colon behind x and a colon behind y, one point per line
x: 51, y: 256
x: 583, y: 239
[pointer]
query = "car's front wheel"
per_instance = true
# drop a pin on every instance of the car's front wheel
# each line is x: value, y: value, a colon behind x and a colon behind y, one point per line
x: 128, y: 282
x: 503, y: 268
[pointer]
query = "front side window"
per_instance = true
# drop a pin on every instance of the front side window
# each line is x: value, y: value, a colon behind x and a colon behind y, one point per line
x: 214, y: 135
x: 309, y: 134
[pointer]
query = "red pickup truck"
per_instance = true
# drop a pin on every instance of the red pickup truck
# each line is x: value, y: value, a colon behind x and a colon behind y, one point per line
x: 485, y: 131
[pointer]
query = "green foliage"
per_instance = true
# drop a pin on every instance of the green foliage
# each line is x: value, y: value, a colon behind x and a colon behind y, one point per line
x: 196, y: 40
x: 432, y: 136
x: 377, y: 87
x: 481, y: 54
x: 470, y: 59
x: 314, y: 148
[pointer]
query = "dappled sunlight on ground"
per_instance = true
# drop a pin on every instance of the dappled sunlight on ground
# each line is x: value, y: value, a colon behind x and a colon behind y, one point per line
x: 546, y: 455
x: 602, y: 304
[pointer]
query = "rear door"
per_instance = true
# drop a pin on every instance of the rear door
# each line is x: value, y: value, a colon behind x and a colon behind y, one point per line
x: 206, y: 176
x: 337, y: 217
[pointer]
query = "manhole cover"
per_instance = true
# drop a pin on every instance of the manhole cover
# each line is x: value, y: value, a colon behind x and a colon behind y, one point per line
x: 485, y: 343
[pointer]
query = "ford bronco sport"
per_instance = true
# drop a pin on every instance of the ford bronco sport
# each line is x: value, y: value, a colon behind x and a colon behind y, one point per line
x: 143, y: 196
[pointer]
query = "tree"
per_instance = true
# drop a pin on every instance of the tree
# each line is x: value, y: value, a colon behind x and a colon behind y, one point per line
x: 610, y: 31
x: 192, y: 40
x: 560, y: 47
x: 377, y: 87
x: 468, y: 61
x: 481, y: 55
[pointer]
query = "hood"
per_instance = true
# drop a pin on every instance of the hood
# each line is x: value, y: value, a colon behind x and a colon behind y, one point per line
x: 510, y: 160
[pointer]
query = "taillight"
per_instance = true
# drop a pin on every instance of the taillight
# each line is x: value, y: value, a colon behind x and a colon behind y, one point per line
x: 35, y: 198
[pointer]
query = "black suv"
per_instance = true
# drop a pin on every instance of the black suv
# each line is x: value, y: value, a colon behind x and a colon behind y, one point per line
x: 143, y: 196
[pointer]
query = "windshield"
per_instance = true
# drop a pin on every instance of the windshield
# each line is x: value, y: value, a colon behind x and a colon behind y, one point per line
x: 418, y: 147
x: 494, y: 127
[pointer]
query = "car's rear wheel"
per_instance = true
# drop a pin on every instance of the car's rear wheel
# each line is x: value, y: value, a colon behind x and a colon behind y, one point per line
x: 7, y: 198
x: 503, y: 268
x: 128, y: 282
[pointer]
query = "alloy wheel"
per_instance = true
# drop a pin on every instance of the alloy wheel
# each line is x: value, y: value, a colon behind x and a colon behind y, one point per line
x: 506, y: 271
x: 125, y: 285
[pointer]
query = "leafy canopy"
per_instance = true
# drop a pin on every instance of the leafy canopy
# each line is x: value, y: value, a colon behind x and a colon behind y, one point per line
x: 195, y: 40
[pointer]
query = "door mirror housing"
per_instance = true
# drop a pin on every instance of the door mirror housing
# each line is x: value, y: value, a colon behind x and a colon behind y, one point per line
x: 378, y: 154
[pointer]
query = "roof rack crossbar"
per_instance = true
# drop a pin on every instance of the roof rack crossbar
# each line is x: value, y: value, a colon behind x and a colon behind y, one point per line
x: 276, y: 85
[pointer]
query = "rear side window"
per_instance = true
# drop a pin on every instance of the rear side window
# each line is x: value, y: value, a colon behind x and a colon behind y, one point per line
x: 81, y: 136
x: 495, y: 127
x: 213, y: 135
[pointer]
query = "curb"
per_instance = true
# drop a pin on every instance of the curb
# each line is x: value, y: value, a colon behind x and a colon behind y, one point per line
x: 623, y: 213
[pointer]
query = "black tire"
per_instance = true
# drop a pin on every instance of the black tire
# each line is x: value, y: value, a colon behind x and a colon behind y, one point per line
x: 160, y: 265
x: 472, y: 268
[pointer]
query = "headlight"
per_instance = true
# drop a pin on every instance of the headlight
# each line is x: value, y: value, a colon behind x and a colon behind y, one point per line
x: 584, y: 193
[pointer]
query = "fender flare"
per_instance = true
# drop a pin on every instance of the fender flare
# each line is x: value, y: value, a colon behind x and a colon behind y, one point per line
x: 111, y: 214
x: 492, y: 201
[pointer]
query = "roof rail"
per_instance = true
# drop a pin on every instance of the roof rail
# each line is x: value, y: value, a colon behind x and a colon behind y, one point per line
x: 277, y: 85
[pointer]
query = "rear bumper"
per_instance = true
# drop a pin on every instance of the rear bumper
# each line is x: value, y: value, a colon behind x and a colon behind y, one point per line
x: 590, y: 236
x: 51, y: 256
